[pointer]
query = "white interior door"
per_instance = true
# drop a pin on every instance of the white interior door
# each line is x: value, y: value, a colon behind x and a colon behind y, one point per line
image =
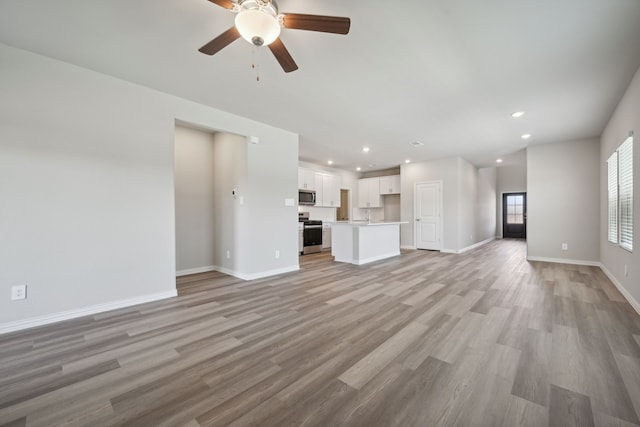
x: 428, y: 215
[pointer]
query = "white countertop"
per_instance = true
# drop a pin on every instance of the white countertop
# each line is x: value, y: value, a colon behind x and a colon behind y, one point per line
x: 367, y: 223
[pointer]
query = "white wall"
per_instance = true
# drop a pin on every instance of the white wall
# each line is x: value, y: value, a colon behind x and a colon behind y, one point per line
x: 477, y: 202
x: 229, y: 173
x: 625, y: 118
x: 87, y: 185
x: 509, y: 179
x: 563, y: 201
x: 445, y: 170
x: 486, y: 215
x: 212, y: 222
x: 468, y: 199
x: 271, y: 226
x: 392, y: 207
x: 195, y: 199
x: 467, y: 203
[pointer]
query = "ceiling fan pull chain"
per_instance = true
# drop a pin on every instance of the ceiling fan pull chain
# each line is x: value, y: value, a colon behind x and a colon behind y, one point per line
x: 254, y: 64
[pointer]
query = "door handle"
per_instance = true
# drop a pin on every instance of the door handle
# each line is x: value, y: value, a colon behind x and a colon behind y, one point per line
x: 417, y: 219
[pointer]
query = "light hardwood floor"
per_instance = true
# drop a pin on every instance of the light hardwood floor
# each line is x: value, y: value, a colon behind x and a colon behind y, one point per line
x: 425, y: 339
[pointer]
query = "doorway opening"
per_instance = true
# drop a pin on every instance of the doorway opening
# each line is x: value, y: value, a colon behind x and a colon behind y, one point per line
x: 514, y: 215
x: 342, y: 213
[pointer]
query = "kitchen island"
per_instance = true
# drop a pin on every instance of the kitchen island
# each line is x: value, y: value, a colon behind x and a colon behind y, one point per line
x: 361, y: 242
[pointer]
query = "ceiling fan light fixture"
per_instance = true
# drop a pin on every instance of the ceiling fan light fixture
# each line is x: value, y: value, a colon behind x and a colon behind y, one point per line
x: 259, y: 23
x: 257, y: 27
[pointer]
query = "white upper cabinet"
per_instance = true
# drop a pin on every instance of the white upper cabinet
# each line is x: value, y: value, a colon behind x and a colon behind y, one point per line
x: 390, y: 184
x: 317, y: 185
x: 306, y: 179
x: 369, y: 193
x: 330, y: 191
x: 325, y: 184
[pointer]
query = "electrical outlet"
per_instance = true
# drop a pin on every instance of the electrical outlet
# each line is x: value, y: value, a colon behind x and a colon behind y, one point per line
x: 565, y: 247
x: 228, y: 254
x: 277, y: 254
x: 18, y: 292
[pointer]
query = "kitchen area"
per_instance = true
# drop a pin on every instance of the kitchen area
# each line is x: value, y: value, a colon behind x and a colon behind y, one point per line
x: 334, y: 206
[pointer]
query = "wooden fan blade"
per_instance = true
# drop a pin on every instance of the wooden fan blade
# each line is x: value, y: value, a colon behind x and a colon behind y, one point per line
x: 325, y: 24
x: 283, y: 56
x: 223, y: 40
x: 227, y: 4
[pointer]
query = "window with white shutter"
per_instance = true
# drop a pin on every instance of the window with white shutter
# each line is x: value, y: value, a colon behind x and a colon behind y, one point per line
x: 612, y: 185
x: 620, y: 195
x: 625, y: 185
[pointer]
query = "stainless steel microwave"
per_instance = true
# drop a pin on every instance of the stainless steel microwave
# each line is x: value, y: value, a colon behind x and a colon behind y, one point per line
x: 306, y: 197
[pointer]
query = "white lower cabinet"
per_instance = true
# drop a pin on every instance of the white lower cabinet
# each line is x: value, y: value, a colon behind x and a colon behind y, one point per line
x: 300, y: 239
x: 326, y: 236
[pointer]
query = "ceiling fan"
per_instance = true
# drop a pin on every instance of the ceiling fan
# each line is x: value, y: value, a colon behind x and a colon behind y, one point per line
x: 259, y: 22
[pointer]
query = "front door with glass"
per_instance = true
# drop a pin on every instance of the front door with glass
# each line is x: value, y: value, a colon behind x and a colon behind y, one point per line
x: 514, y: 215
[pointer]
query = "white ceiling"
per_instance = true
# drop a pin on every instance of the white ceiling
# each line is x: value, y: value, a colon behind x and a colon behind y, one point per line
x: 447, y: 73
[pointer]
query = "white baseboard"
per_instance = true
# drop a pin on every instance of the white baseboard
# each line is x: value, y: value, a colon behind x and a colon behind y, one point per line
x: 408, y: 247
x: 376, y: 258
x: 632, y: 301
x: 468, y: 248
x: 84, y: 311
x: 188, y: 271
x: 260, y: 275
x: 564, y: 261
x: 238, y: 274
x: 476, y: 245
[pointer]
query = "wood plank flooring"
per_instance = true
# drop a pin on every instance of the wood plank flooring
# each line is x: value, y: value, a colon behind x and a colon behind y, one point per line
x: 425, y: 339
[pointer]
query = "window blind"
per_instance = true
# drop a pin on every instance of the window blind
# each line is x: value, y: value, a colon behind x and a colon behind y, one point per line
x: 612, y: 185
x: 625, y: 173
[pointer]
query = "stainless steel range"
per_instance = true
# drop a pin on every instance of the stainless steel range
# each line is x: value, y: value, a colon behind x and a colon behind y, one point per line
x: 311, y: 234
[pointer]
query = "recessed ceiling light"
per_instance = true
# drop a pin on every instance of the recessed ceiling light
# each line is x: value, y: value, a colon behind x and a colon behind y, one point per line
x: 518, y: 114
x: 498, y: 160
x: 365, y: 149
x: 330, y: 162
x: 358, y: 168
x: 526, y: 136
x: 407, y: 161
x: 417, y: 143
